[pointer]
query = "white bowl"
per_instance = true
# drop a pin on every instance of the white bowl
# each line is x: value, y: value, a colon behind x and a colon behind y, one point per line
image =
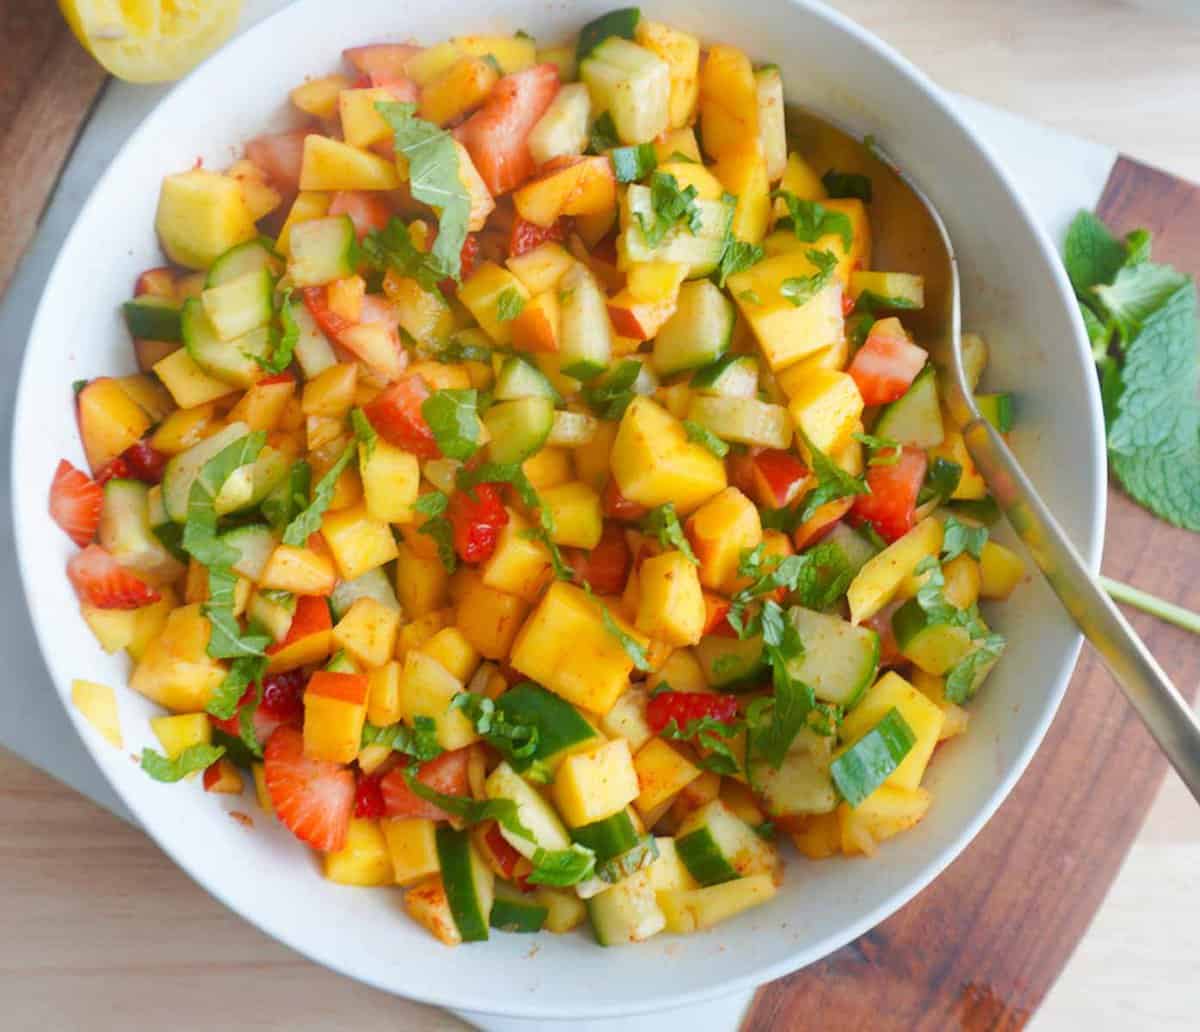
x: 1016, y: 295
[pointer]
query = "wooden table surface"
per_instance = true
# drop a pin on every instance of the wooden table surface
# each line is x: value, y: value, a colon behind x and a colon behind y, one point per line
x: 100, y: 926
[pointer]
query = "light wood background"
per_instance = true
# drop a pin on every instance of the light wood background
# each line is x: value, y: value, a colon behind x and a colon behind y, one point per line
x: 102, y: 931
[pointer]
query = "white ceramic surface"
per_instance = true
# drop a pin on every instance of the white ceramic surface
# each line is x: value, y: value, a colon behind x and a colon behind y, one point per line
x: 1016, y: 296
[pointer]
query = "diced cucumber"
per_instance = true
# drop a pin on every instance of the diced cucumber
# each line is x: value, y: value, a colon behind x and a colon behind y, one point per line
x: 571, y: 429
x: 243, y: 258
x: 255, y: 542
x: 469, y: 882
x: 232, y: 361
x: 694, y: 910
x: 518, y: 428
x: 802, y: 784
x: 272, y: 610
x: 518, y: 378
x: 608, y: 837
x: 700, y: 251
x: 933, y: 647
x: 997, y: 409
x: 627, y: 912
x: 584, y: 330
x: 717, y: 846
x: 772, y: 131
x: 870, y: 761
x: 322, y: 250
x: 125, y: 532
x: 839, y: 660
x: 698, y: 332
x: 632, y: 84
x: 731, y: 376
x: 561, y: 728
x: 183, y: 469
x: 646, y: 382
x: 730, y: 663
x: 285, y: 500
x: 916, y: 417
x: 565, y: 910
x: 875, y: 291
x: 248, y: 485
x: 513, y: 911
x: 746, y: 420
x: 153, y: 318
x: 534, y: 813
x: 622, y: 22
x: 634, y: 162
x: 563, y: 130
x: 442, y: 473
x: 373, y: 584
x: 636, y: 858
x: 240, y: 305
x: 853, y: 548
x: 313, y: 352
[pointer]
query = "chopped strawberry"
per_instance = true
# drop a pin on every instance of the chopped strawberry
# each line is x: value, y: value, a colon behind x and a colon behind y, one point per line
x: 525, y: 236
x: 75, y: 503
x: 368, y: 797
x: 114, y: 469
x: 396, y: 415
x: 887, y: 363
x: 446, y: 774
x: 382, y: 62
x: 502, y: 857
x: 477, y: 516
x: 684, y: 707
x: 618, y: 507
x: 280, y: 156
x: 470, y: 251
x: 891, y: 505
x: 496, y: 135
x: 368, y: 211
x: 283, y: 696
x: 605, y: 567
x: 328, y: 320
x: 848, y: 303
x: 313, y: 798
x: 101, y: 581
x: 144, y: 462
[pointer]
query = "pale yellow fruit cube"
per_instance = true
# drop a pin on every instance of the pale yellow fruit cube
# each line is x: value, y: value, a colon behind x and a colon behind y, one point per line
x: 593, y: 785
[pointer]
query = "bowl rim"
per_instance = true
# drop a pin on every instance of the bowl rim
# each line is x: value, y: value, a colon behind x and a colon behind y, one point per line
x: 249, y: 40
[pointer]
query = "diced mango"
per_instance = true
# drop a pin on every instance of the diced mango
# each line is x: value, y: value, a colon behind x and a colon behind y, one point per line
x: 1000, y: 571
x: 412, y: 846
x: 319, y: 97
x: 97, y: 704
x: 541, y: 269
x: 663, y: 772
x: 109, y: 421
x: 720, y: 531
x: 882, y: 575
x: 368, y: 632
x: 481, y: 294
x: 575, y: 508
x: 826, y: 408
x: 886, y: 812
x: 743, y: 172
x: 201, y: 215
x: 364, y: 859
x: 450, y: 647
x: 426, y: 690
x: 697, y: 909
x: 590, y: 786
x: 953, y: 448
x: 335, y: 708
x: 459, y: 89
x: 307, y: 206
x: 188, y: 383
x: 520, y: 562
x: 175, y: 670
x: 681, y: 52
x: 670, y: 600
x: 490, y: 619
x: 421, y: 582
x: 922, y: 716
x: 358, y: 541
x: 574, y: 186
x: 427, y: 904
x: 179, y: 733
x: 332, y: 165
x: 383, y: 694
x: 391, y: 479
x: 298, y: 570
x: 728, y: 100
x: 331, y: 392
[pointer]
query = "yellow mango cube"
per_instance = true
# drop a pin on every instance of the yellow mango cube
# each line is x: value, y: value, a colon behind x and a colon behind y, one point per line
x: 261, y: 795
x: 520, y: 563
x: 364, y: 859
x: 426, y: 690
x: 720, y: 531
x: 427, y: 904
x: 955, y: 718
x: 590, y: 786
x: 682, y: 671
x: 335, y: 709
x: 540, y: 270
x: 368, y: 632
x: 431, y: 62
x: 512, y: 53
x: 627, y: 719
x: 113, y: 628
x: 953, y: 448
x: 923, y: 716
x: 223, y: 777
x: 148, y: 623
x: 358, y: 541
x: 412, y: 846
x: 262, y: 406
x: 653, y: 461
x: 592, y: 458
x: 743, y: 172
x: 383, y: 694
x: 298, y: 570
x: 421, y: 582
x: 481, y: 294
x: 460, y: 88
x: 663, y: 772
x: 391, y: 480
x: 179, y: 733
x: 332, y: 165
x: 450, y: 648
x: 880, y: 578
x: 175, y: 670
x: 489, y: 619
x: 331, y: 392
x: 670, y: 600
x: 826, y: 409
x: 802, y: 181
x: 201, y: 215
x: 885, y: 812
x: 728, y: 100
x: 97, y: 704
x: 362, y: 124
x: 575, y: 508
x: 319, y: 97
x: 1000, y: 571
x: 308, y: 205
x: 681, y: 52
x: 414, y: 635
x: 109, y: 420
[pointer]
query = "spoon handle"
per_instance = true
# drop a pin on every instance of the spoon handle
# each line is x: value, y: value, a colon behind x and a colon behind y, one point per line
x: 1163, y: 710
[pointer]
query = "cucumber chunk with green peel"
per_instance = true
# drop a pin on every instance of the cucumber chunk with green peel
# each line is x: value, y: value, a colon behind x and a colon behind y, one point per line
x: 518, y: 378
x: 232, y: 361
x: 240, y: 305
x: 746, y: 420
x: 313, y: 352
x: 561, y: 727
x: 622, y: 22
x: 322, y: 251
x: 916, y: 416
x: 254, y: 542
x: 632, y: 84
x: 870, y: 761
x: 182, y: 470
x: 933, y: 647
x: 469, y: 882
x: 585, y: 333
x: 248, y: 485
x: 731, y: 663
x: 626, y: 913
x: 636, y: 858
x: 633, y: 163
x: 562, y: 131
x: 700, y: 251
x: 698, y: 332
x: 125, y: 531
x: 571, y: 429
x: 513, y: 911
x: 731, y: 376
x: 852, y: 549
x: 374, y: 584
x: 340, y: 663
x: 243, y: 258
x: 609, y: 837
x: 717, y: 846
x: 518, y: 428
x: 153, y: 318
x: 535, y: 814
x: 840, y: 659
x: 997, y: 409
x: 802, y: 784
x: 273, y: 611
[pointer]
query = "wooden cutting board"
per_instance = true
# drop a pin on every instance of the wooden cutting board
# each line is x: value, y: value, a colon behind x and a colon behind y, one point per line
x: 979, y: 949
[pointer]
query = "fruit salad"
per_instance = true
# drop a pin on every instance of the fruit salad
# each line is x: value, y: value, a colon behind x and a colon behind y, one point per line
x: 533, y: 489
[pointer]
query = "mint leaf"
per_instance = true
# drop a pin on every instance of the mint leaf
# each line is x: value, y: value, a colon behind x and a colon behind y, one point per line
x: 670, y: 206
x: 603, y: 135
x: 964, y: 678
x: 941, y: 481
x: 633, y: 163
x: 308, y: 521
x: 790, y: 705
x: 433, y: 179
x: 962, y: 537
x: 801, y: 289
x: 244, y: 671
x: 561, y: 867
x: 663, y: 523
x: 847, y: 184
x: 610, y: 396
x: 811, y: 220
x: 200, y: 531
x: 513, y: 740
x: 364, y: 432
x: 509, y: 304
x: 1091, y: 254
x: 825, y: 577
x: 930, y: 595
x: 1137, y: 292
x: 288, y: 500
x: 702, y: 435
x: 433, y: 503
x: 736, y: 256
x: 419, y: 741
x: 712, y: 735
x: 884, y: 451
x: 284, y: 345
x: 453, y: 417
x: 392, y: 248
x: 833, y: 482
x: 192, y: 759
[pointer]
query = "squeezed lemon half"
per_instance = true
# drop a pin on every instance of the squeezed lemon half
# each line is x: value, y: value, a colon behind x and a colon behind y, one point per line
x: 151, y: 40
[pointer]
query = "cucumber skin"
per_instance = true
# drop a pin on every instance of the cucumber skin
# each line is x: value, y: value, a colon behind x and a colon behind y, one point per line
x: 622, y: 22
x: 153, y: 322
x: 560, y: 725
x: 454, y: 856
x: 608, y: 837
x: 702, y: 857
x: 510, y: 914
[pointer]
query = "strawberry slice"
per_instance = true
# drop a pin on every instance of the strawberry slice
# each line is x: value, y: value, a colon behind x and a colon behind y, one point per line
x: 75, y: 501
x: 447, y: 774
x: 313, y: 798
x: 101, y: 581
x: 114, y: 469
x: 368, y: 797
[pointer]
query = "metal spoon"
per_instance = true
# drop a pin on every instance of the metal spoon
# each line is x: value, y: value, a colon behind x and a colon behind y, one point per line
x: 917, y: 240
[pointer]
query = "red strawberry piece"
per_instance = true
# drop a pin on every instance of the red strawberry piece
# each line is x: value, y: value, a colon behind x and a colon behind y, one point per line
x: 447, y: 774
x: 312, y: 798
x: 368, y: 797
x: 526, y: 236
x: 684, y: 707
x: 114, y: 469
x: 477, y: 516
x: 75, y: 502
x: 144, y: 462
x: 101, y: 581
